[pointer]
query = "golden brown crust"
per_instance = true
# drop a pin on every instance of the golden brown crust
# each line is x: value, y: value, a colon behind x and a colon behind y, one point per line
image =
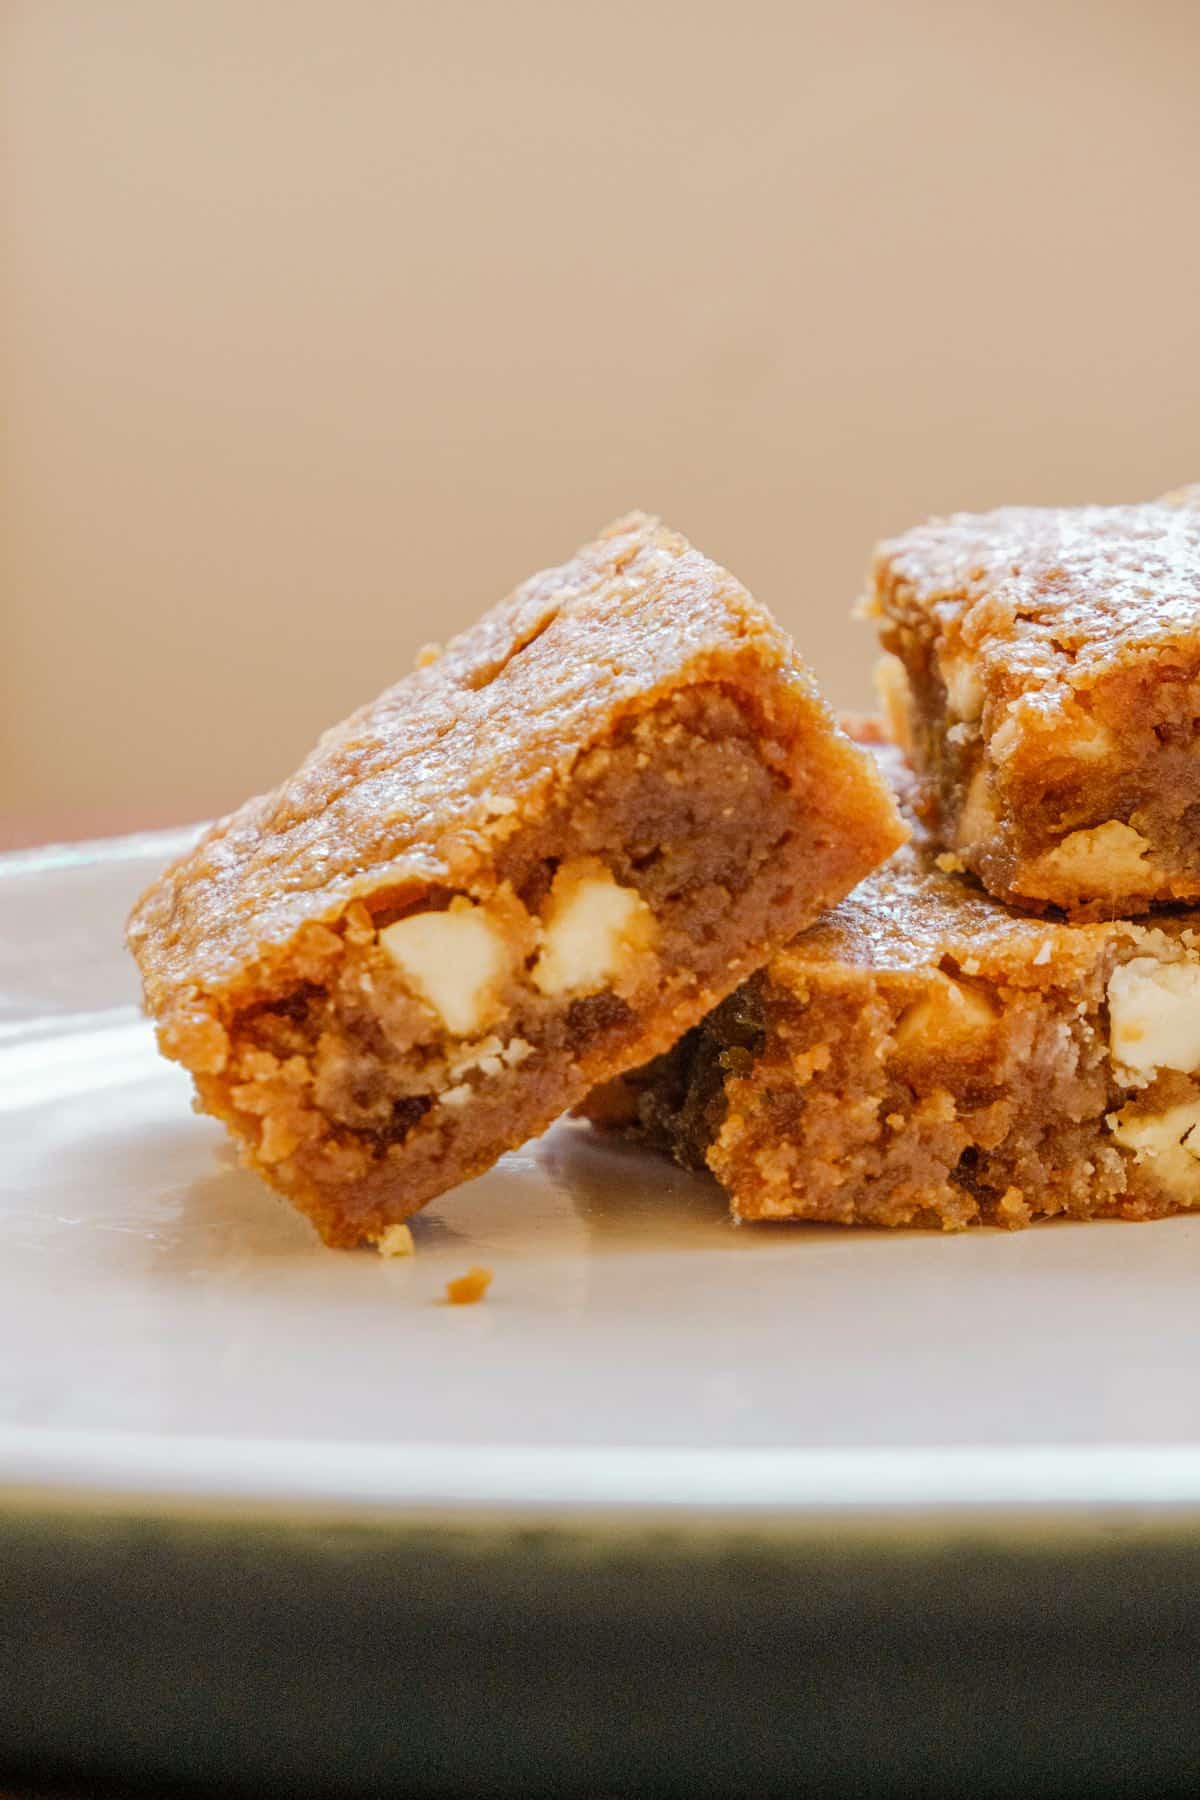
x: 912, y: 915
x: 402, y: 791
x: 1053, y: 666
x: 633, y: 713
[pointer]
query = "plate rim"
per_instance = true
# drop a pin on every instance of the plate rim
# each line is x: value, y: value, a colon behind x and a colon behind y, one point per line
x: 76, y: 853
x: 738, y: 1487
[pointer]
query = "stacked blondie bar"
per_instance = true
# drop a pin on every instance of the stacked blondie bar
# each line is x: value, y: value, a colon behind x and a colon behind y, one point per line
x: 1004, y: 1021
x: 610, y: 850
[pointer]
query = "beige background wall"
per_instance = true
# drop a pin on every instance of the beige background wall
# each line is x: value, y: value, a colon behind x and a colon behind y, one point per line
x: 325, y: 323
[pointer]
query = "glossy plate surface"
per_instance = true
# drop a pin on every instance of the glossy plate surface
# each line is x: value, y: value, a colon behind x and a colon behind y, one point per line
x: 169, y: 1328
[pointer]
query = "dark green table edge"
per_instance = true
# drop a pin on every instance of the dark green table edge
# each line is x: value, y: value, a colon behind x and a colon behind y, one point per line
x: 338, y: 1654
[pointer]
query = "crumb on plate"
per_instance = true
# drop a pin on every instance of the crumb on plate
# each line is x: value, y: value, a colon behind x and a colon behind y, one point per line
x: 466, y: 1289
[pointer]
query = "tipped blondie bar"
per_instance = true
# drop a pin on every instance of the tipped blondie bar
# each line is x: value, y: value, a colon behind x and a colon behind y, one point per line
x: 532, y: 863
x: 926, y: 1056
x: 1048, y: 683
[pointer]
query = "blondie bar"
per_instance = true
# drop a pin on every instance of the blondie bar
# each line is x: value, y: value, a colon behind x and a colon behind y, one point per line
x: 1048, y: 683
x: 925, y: 1056
x: 532, y: 863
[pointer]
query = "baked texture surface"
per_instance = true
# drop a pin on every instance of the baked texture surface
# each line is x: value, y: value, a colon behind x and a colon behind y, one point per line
x: 926, y: 1056
x: 532, y: 863
x: 1048, y: 685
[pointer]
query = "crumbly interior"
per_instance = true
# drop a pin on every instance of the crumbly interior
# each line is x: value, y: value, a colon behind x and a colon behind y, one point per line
x: 1048, y: 686
x: 357, y: 1097
x: 1056, y: 1071
x: 1102, y: 817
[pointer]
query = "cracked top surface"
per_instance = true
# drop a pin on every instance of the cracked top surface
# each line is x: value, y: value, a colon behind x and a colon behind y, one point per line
x: 909, y: 915
x: 1046, y: 600
x: 406, y: 793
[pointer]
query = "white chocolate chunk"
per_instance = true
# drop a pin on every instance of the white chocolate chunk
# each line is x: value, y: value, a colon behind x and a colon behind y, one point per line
x: 471, y: 1056
x: 591, y: 925
x: 454, y: 960
x: 895, y: 699
x: 978, y: 817
x: 964, y: 690
x: 1098, y: 860
x: 1154, y: 1018
x: 1089, y: 740
x: 1007, y: 735
x: 397, y: 1240
x: 950, y: 1012
x: 1169, y: 1140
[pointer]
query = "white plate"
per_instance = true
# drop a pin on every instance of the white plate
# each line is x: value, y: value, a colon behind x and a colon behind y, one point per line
x: 168, y: 1328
